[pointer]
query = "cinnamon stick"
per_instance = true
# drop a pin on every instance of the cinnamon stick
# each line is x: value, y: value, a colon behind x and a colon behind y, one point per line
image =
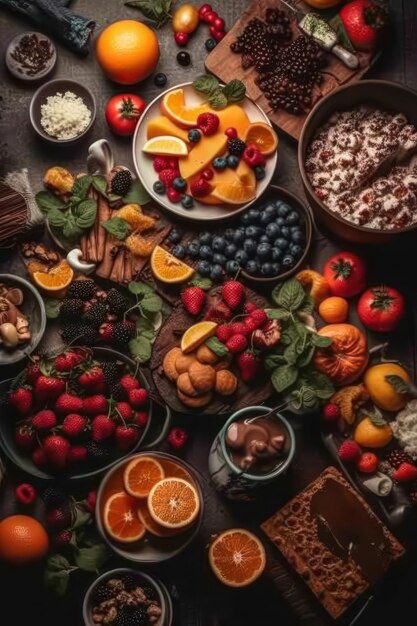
x: 117, y: 270
x: 84, y: 247
x: 127, y: 268
x: 103, y: 214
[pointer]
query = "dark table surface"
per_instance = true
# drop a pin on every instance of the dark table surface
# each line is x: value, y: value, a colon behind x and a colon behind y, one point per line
x: 199, y: 599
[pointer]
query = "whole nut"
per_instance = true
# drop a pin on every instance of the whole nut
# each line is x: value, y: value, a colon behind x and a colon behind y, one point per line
x: 8, y: 335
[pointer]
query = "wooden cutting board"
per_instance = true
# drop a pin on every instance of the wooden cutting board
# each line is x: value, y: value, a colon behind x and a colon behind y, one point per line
x: 226, y: 65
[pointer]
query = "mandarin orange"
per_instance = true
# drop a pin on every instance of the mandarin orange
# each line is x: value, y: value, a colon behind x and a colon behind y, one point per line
x: 22, y: 539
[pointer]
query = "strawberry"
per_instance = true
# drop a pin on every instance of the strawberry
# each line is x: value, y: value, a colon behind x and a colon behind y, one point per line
x: 24, y: 437
x: 161, y: 163
x: 33, y: 371
x: 193, y: 300
x: 124, y: 410
x: 67, y: 361
x: 223, y: 332
x: 141, y: 418
x: 93, y: 380
x: 73, y: 425
x: 250, y: 325
x: 219, y: 313
x: 102, y: 427
x: 177, y: 438
x: 363, y: 21
x: 93, y: 405
x: 331, y: 412
x: 39, y: 458
x: 233, y: 293
x: 405, y: 473
x: 56, y: 450
x: 44, y: 420
x: 63, y: 538
x: 249, y: 366
x: 260, y: 317
x: 59, y: 518
x: 200, y: 187
x: 367, y: 463
x: 26, y: 493
x: 208, y: 123
x: 138, y: 397
x: 249, y: 307
x: 238, y: 328
x: 106, y: 332
x: 128, y: 382
x: 91, y: 501
x: 236, y: 343
x: 21, y: 400
x: 167, y: 176
x: 68, y: 403
x: 77, y: 454
x: 126, y: 437
x: 48, y: 388
x: 349, y: 451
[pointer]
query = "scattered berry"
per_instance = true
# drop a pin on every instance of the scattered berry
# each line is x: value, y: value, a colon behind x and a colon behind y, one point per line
x: 126, y: 437
x: 194, y: 135
x: 207, y: 174
x: 203, y: 10
x: 236, y: 343
x: 160, y: 79
x: 367, y: 463
x: 53, y: 497
x: 193, y: 299
x: 236, y: 146
x: 181, y: 39
x: 210, y: 44
x: 216, y: 34
x: 187, y: 201
x: 260, y: 172
x: 233, y: 293
x: 405, y: 473
x: 160, y: 163
x: 26, y: 493
x: 210, y: 16
x: 219, y: 24
x: 77, y: 454
x: 141, y: 418
x: 63, y: 538
x: 179, y: 183
x: 183, y: 58
x: 121, y: 182
x: 73, y: 425
x: 232, y: 161
x: 331, y: 412
x: 167, y: 176
x: 91, y: 501
x: 59, y: 518
x: 177, y: 438
x: 249, y: 366
x: 173, y: 195
x: 349, y: 451
x: 208, y: 123
x: 159, y: 187
x: 220, y: 163
x: 231, y: 133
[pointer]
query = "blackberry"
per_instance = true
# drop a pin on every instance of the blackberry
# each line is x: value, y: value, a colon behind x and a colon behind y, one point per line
x: 97, y: 451
x: 396, y: 457
x: 82, y: 289
x: 111, y: 372
x: 83, y: 333
x: 71, y: 307
x: 236, y: 146
x: 121, y: 182
x: 150, y: 592
x: 53, y: 497
x: 117, y: 392
x: 117, y: 302
x: 102, y: 593
x: 122, y: 334
x: 130, y: 582
x: 132, y: 616
x: 96, y: 314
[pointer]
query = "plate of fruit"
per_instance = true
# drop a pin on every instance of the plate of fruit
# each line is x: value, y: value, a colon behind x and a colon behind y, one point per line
x: 207, y: 357
x: 200, y: 161
x: 77, y: 413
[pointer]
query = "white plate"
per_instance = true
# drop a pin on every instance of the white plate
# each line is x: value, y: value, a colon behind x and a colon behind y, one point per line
x: 147, y: 175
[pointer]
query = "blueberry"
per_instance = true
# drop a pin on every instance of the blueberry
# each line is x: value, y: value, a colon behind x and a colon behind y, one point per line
x: 210, y: 44
x: 276, y: 268
x: 187, y: 201
x: 293, y: 218
x: 253, y: 267
x: 229, y: 233
x: 239, y: 235
x: 219, y: 163
x: 160, y: 79
x: 249, y: 246
x: 266, y: 270
x: 205, y: 238
x: 204, y: 268
x: 206, y: 253
x: 265, y: 219
x: 295, y: 250
x: 270, y: 209
x: 277, y: 254
x: 287, y: 262
x: 232, y: 267
x: 241, y: 257
x: 232, y: 161
x: 159, y: 187
x: 183, y: 58
x: 175, y: 235
x: 220, y: 259
x: 272, y: 230
x: 285, y: 232
x: 179, y: 251
x: 230, y: 250
x: 283, y: 209
x: 280, y: 221
x: 218, y: 244
x: 179, y: 183
x: 245, y: 219
x: 268, y: 214
x: 194, y: 135
x: 297, y: 236
x: 281, y: 243
x: 254, y: 215
x: 263, y: 239
x: 216, y: 273
x: 254, y: 231
x: 263, y: 251
x: 260, y: 172
x: 193, y: 249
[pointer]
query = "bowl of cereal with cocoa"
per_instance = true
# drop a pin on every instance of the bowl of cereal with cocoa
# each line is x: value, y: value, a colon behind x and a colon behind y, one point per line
x: 358, y: 161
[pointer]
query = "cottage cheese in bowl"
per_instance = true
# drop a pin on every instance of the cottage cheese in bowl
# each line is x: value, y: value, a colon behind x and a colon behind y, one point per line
x: 65, y: 116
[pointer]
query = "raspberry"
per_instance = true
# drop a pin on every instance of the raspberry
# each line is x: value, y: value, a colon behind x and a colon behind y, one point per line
x: 167, y: 177
x: 331, y: 412
x: 208, y: 123
x: 161, y: 163
x: 200, y: 188
x: 349, y: 451
x: 177, y: 438
x: 26, y: 493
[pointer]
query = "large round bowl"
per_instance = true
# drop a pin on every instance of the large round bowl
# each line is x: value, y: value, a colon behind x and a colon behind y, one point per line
x: 381, y: 94
x: 147, y: 175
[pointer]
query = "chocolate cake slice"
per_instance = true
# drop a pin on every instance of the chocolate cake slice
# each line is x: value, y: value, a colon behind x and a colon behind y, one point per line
x: 333, y: 540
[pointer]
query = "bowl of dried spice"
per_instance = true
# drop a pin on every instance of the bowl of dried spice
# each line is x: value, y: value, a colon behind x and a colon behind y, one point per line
x: 30, y: 56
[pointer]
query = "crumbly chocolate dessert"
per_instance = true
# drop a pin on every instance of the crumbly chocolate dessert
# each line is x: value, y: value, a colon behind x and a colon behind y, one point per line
x: 359, y: 165
x: 333, y: 540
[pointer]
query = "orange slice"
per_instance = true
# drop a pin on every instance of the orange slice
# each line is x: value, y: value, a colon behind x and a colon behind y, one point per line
x: 173, y: 106
x: 167, y: 268
x: 175, y: 470
x: 166, y: 145
x: 55, y: 279
x: 173, y: 503
x: 262, y: 136
x: 196, y: 335
x: 240, y: 190
x: 121, y: 520
x: 141, y: 474
x: 237, y: 557
x: 153, y: 527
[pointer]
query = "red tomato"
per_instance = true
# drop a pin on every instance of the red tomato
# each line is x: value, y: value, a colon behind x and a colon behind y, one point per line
x: 381, y: 308
x: 345, y: 273
x: 123, y: 112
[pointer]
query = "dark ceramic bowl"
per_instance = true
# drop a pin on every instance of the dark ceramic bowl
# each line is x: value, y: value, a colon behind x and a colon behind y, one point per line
x: 7, y: 430
x: 51, y: 88
x: 16, y: 68
x: 279, y: 193
x: 381, y: 94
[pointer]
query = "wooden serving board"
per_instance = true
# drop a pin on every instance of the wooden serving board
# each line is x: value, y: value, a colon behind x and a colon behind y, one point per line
x: 169, y: 336
x: 226, y: 65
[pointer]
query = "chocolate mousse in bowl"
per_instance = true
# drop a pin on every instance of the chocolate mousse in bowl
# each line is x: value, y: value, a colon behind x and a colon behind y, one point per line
x: 251, y: 451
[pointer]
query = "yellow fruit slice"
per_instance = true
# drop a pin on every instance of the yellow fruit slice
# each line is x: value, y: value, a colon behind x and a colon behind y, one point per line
x: 173, y: 503
x: 162, y: 125
x: 237, y: 557
x: 262, y: 136
x: 120, y: 518
x: 141, y: 474
x: 166, y: 145
x: 196, y: 335
x: 167, y: 268
x: 55, y: 279
x: 173, y: 106
x: 239, y: 191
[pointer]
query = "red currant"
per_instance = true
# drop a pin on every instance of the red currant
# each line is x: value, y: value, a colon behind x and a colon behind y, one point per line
x: 219, y: 23
x: 218, y: 35
x: 173, y: 195
x: 207, y: 174
x: 231, y: 133
x: 181, y: 39
x: 210, y: 17
x: 204, y: 9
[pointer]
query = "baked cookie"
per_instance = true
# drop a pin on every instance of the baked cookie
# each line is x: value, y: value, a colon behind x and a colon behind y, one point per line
x: 223, y: 364
x: 226, y: 383
x: 207, y: 356
x: 184, y: 361
x: 169, y: 364
x: 185, y: 386
x: 195, y: 403
x: 203, y: 377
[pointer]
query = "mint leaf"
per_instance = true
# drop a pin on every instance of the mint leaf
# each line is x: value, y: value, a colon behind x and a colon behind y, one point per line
x: 86, y: 212
x: 57, y: 573
x: 52, y: 306
x: 157, y: 11
x: 217, y: 346
x: 274, y: 360
x: 116, y: 227
x: 207, y: 85
x: 46, y: 200
x: 234, y: 91
x: 320, y: 341
x: 151, y: 303
x: 57, y: 218
x: 144, y: 328
x: 139, y: 289
x: 283, y: 377
x: 100, y: 184
x: 81, y: 187
x: 203, y: 283
x: 218, y: 101
x: 140, y: 349
x: 290, y: 295
x: 137, y: 194
x: 278, y: 314
x: 91, y: 559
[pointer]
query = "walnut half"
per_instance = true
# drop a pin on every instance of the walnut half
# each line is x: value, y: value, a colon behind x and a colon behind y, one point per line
x: 349, y: 399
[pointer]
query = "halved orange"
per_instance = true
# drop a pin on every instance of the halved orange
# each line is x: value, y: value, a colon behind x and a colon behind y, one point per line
x: 153, y: 527
x: 175, y: 470
x: 173, y: 503
x: 141, y: 474
x: 173, y: 106
x: 196, y: 335
x: 120, y: 518
x: 166, y: 145
x: 57, y: 278
x: 238, y: 191
x: 237, y: 557
x: 262, y: 136
x: 167, y: 268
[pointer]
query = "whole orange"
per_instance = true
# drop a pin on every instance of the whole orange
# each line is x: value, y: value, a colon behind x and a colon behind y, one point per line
x: 127, y: 51
x: 22, y: 539
x: 334, y: 310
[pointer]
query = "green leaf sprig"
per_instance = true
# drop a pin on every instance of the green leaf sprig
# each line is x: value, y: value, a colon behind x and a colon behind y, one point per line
x: 157, y: 11
x: 219, y: 97
x: 148, y: 303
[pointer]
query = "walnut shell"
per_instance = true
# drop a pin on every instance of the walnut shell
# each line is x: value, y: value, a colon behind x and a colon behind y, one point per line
x: 195, y: 403
x: 207, y: 356
x: 185, y: 386
x: 349, y: 399
x: 59, y: 180
x: 169, y: 364
x: 184, y: 361
x: 226, y: 382
x: 203, y: 377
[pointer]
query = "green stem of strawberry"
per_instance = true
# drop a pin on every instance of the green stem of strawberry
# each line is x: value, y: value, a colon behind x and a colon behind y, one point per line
x: 121, y: 417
